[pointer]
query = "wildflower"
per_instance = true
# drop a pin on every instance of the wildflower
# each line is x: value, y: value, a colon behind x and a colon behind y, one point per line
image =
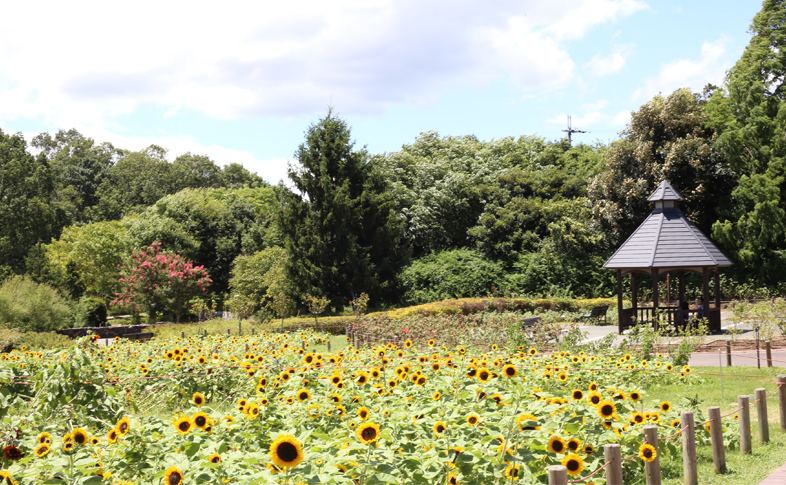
x: 367, y: 432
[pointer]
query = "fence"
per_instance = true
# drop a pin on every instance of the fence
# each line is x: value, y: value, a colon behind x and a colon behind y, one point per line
x: 558, y: 474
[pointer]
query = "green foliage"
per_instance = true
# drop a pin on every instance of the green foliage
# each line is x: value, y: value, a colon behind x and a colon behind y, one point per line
x: 450, y: 274
x: 340, y: 227
x: 254, y: 275
x: 91, y: 312
x: 667, y: 138
x: 26, y: 215
x: 34, y: 307
x: 39, y: 341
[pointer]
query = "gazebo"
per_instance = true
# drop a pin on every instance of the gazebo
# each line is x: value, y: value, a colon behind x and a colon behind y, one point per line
x: 667, y: 242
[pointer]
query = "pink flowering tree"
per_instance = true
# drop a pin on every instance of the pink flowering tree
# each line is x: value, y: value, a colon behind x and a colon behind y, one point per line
x: 159, y: 281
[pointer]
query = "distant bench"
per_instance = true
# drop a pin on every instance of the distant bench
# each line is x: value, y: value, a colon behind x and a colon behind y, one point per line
x: 529, y: 322
x: 597, y: 314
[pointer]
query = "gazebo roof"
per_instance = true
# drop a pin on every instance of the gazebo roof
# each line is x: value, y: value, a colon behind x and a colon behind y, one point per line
x: 665, y: 192
x: 667, y: 240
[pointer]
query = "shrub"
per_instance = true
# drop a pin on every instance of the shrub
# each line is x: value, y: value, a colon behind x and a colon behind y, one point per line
x: 29, y: 306
x: 450, y: 274
x: 43, y: 340
x: 91, y: 312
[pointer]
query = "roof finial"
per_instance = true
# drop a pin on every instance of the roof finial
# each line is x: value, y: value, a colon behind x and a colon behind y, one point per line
x: 665, y: 192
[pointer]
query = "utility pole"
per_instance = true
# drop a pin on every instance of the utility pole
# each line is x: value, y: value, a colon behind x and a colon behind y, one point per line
x: 570, y: 131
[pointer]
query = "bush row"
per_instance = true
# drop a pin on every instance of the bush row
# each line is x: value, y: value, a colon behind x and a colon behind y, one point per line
x: 470, y: 306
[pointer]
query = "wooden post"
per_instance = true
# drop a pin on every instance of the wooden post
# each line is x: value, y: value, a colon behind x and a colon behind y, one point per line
x: 619, y: 301
x: 613, y: 456
x: 761, y: 412
x: 768, y: 349
x: 655, y: 297
x: 246, y: 348
x: 328, y: 344
x: 558, y: 475
x: 253, y: 332
x: 228, y: 333
x: 716, y: 436
x: 182, y: 334
x: 304, y: 345
x: 728, y: 353
x: 205, y: 333
x: 782, y: 399
x: 745, y: 425
x: 239, y: 327
x: 689, y: 449
x: 652, y: 468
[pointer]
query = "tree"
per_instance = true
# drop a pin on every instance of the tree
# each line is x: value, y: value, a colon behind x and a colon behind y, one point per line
x: 158, y: 281
x: 750, y: 114
x: 253, y: 275
x: 25, y: 194
x: 339, y: 227
x: 667, y: 138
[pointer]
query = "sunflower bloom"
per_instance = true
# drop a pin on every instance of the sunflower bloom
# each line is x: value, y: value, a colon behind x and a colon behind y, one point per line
x: 286, y: 451
x: 574, y: 463
x: 557, y: 445
x: 122, y: 426
x: 513, y: 471
x: 367, y: 432
x: 183, y: 425
x: 198, y: 399
x: 647, y: 452
x: 173, y: 476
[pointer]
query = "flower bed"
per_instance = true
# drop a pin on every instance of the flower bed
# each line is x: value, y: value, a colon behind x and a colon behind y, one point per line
x: 263, y: 409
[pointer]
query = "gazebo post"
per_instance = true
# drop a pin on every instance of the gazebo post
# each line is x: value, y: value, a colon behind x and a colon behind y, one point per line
x: 619, y: 301
x: 717, y: 289
x: 682, y: 286
x: 655, y: 299
x: 634, y: 299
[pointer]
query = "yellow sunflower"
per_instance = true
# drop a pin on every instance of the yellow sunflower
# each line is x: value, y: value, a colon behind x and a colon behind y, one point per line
x: 41, y: 450
x: 665, y: 406
x: 214, y: 458
x: 303, y: 395
x: 200, y: 420
x: 473, y: 419
x: 198, y: 399
x: 286, y: 451
x: 577, y: 395
x: 607, y: 409
x: 513, y: 472
x: 647, y: 452
x: 364, y: 413
x: 367, y: 432
x: 112, y: 436
x: 122, y: 426
x: 527, y: 422
x: 173, y: 476
x: 183, y: 424
x: 574, y: 463
x: 557, y: 445
x: 80, y: 436
x: 440, y: 427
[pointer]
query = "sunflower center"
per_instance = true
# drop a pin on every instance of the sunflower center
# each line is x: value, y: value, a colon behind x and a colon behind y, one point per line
x: 440, y: 428
x: 184, y: 426
x: 215, y: 459
x: 606, y: 410
x: 647, y: 453
x: 287, y: 452
x: 572, y: 465
x: 514, y: 472
x: 200, y: 421
x: 557, y: 446
x: 369, y: 433
x: 175, y: 478
x: 303, y: 395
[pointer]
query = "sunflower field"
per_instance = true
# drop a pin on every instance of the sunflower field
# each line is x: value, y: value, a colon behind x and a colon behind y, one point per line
x: 275, y: 408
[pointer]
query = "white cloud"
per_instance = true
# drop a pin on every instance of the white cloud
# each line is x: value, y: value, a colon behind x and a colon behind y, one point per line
x: 84, y: 62
x: 584, y: 121
x: 602, y: 66
x: 710, y: 67
x: 621, y: 118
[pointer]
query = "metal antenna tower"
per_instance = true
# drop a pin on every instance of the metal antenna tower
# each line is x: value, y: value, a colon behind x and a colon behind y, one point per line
x: 570, y: 131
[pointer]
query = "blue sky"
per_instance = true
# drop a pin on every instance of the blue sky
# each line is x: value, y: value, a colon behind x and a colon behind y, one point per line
x: 241, y: 83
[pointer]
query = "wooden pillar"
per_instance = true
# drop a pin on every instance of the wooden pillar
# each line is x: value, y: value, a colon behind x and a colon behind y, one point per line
x: 717, y: 289
x: 619, y: 301
x: 705, y: 286
x: 655, y: 296
x: 634, y: 286
x: 681, y: 276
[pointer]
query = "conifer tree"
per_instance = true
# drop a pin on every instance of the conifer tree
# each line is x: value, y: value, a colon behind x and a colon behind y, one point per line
x: 340, y: 228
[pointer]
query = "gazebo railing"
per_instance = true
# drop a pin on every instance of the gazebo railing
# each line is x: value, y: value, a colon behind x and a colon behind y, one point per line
x: 669, y: 316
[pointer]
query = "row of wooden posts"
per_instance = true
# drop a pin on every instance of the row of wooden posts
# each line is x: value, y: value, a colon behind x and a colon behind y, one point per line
x: 558, y: 474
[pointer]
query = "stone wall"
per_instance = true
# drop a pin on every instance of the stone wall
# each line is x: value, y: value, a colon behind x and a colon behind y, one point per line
x: 103, y: 332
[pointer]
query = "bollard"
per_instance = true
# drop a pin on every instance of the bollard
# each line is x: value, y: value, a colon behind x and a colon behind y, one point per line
x: 745, y: 425
x: 716, y: 436
x: 728, y: 354
x: 782, y: 399
x: 328, y: 345
x: 246, y: 348
x: 182, y: 334
x: 689, y: 449
x: 304, y: 345
x: 205, y: 333
x: 761, y: 412
x: 613, y: 456
x: 228, y: 333
x: 558, y: 475
x: 768, y: 350
x: 652, y: 468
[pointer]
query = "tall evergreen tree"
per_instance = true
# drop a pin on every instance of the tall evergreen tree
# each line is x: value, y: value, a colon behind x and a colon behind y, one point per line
x: 751, y: 116
x: 339, y: 227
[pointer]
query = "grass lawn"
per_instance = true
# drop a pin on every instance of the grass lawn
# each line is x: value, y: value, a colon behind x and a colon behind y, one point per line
x: 742, y: 470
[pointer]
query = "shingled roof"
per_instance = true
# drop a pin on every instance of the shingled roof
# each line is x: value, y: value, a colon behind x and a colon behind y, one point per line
x: 666, y: 239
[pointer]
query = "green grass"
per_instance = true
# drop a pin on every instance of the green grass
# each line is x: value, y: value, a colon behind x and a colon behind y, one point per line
x: 742, y: 469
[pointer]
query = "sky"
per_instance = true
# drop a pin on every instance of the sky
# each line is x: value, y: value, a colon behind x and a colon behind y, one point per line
x: 242, y: 81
